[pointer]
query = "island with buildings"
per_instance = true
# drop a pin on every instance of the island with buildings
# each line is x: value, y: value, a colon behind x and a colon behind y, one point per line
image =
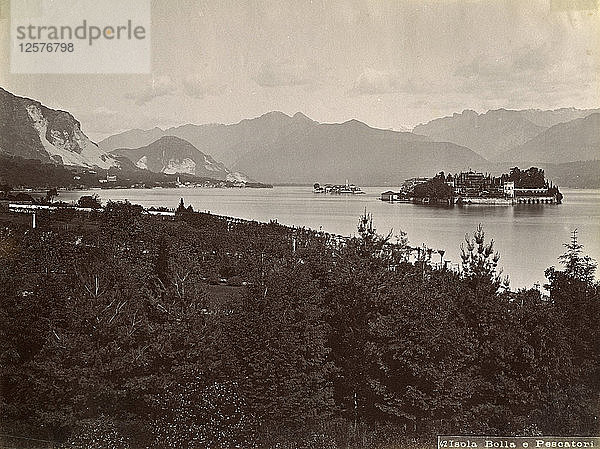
x: 517, y: 187
x: 346, y: 188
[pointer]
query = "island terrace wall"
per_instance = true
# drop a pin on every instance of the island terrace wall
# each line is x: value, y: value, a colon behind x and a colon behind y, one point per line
x: 507, y: 201
x: 491, y: 201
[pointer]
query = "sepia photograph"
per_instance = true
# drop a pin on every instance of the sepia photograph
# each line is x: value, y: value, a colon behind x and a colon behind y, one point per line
x: 299, y: 224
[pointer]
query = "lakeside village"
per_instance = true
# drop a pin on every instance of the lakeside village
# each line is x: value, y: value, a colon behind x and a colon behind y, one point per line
x: 189, y: 181
x: 63, y: 179
x: 517, y: 187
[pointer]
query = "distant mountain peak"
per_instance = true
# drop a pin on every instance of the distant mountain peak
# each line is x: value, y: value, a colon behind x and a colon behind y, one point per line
x: 275, y: 115
x: 173, y: 140
x: 355, y: 122
x: 172, y: 154
x: 468, y: 113
x: 301, y: 116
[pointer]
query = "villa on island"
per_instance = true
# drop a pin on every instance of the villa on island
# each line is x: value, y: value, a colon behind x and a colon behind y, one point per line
x: 517, y: 187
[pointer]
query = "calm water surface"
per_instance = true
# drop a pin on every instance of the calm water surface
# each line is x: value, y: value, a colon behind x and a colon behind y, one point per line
x: 528, y: 237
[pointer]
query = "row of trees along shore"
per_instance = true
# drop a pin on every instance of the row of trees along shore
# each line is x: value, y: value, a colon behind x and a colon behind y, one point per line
x: 112, y: 336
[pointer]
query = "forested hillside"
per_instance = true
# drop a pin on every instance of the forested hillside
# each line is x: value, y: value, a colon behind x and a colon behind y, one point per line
x: 115, y: 333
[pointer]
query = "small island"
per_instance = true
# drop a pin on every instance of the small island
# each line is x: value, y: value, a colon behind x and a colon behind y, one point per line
x: 346, y: 188
x: 517, y: 187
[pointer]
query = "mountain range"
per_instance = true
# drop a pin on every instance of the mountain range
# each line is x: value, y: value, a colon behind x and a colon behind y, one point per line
x: 307, y: 150
x: 33, y: 131
x: 282, y: 149
x: 30, y: 130
x: 171, y: 155
x: 279, y: 148
x: 224, y: 142
x: 576, y: 140
x: 499, y: 135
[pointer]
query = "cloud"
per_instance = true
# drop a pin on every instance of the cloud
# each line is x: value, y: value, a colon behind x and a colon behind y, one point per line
x: 196, y: 87
x: 104, y: 111
x: 542, y: 63
x: 190, y: 86
x: 373, y: 82
x: 102, y: 122
x: 378, y: 82
x: 525, y: 75
x: 270, y: 74
x: 158, y: 87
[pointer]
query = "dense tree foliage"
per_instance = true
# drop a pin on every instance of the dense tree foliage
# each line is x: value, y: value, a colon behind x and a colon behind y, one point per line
x: 89, y: 201
x: 117, y: 331
x: 435, y: 188
x: 532, y: 178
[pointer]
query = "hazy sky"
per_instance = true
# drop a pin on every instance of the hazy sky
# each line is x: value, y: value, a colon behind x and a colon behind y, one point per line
x: 391, y: 64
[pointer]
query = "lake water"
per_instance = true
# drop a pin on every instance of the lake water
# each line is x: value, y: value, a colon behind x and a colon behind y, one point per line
x: 528, y: 237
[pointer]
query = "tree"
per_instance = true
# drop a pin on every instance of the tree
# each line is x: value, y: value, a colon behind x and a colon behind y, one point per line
x: 284, y: 371
x: 5, y: 189
x: 97, y: 433
x: 435, y: 188
x: 358, y: 282
x: 573, y: 288
x: 51, y: 194
x: 483, y: 305
x: 181, y: 207
x: 421, y: 354
x: 575, y: 295
x: 89, y: 201
x: 532, y: 178
x: 370, y: 242
x: 577, y: 266
x: 479, y: 260
x: 196, y: 414
x: 123, y: 210
x: 161, y: 267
